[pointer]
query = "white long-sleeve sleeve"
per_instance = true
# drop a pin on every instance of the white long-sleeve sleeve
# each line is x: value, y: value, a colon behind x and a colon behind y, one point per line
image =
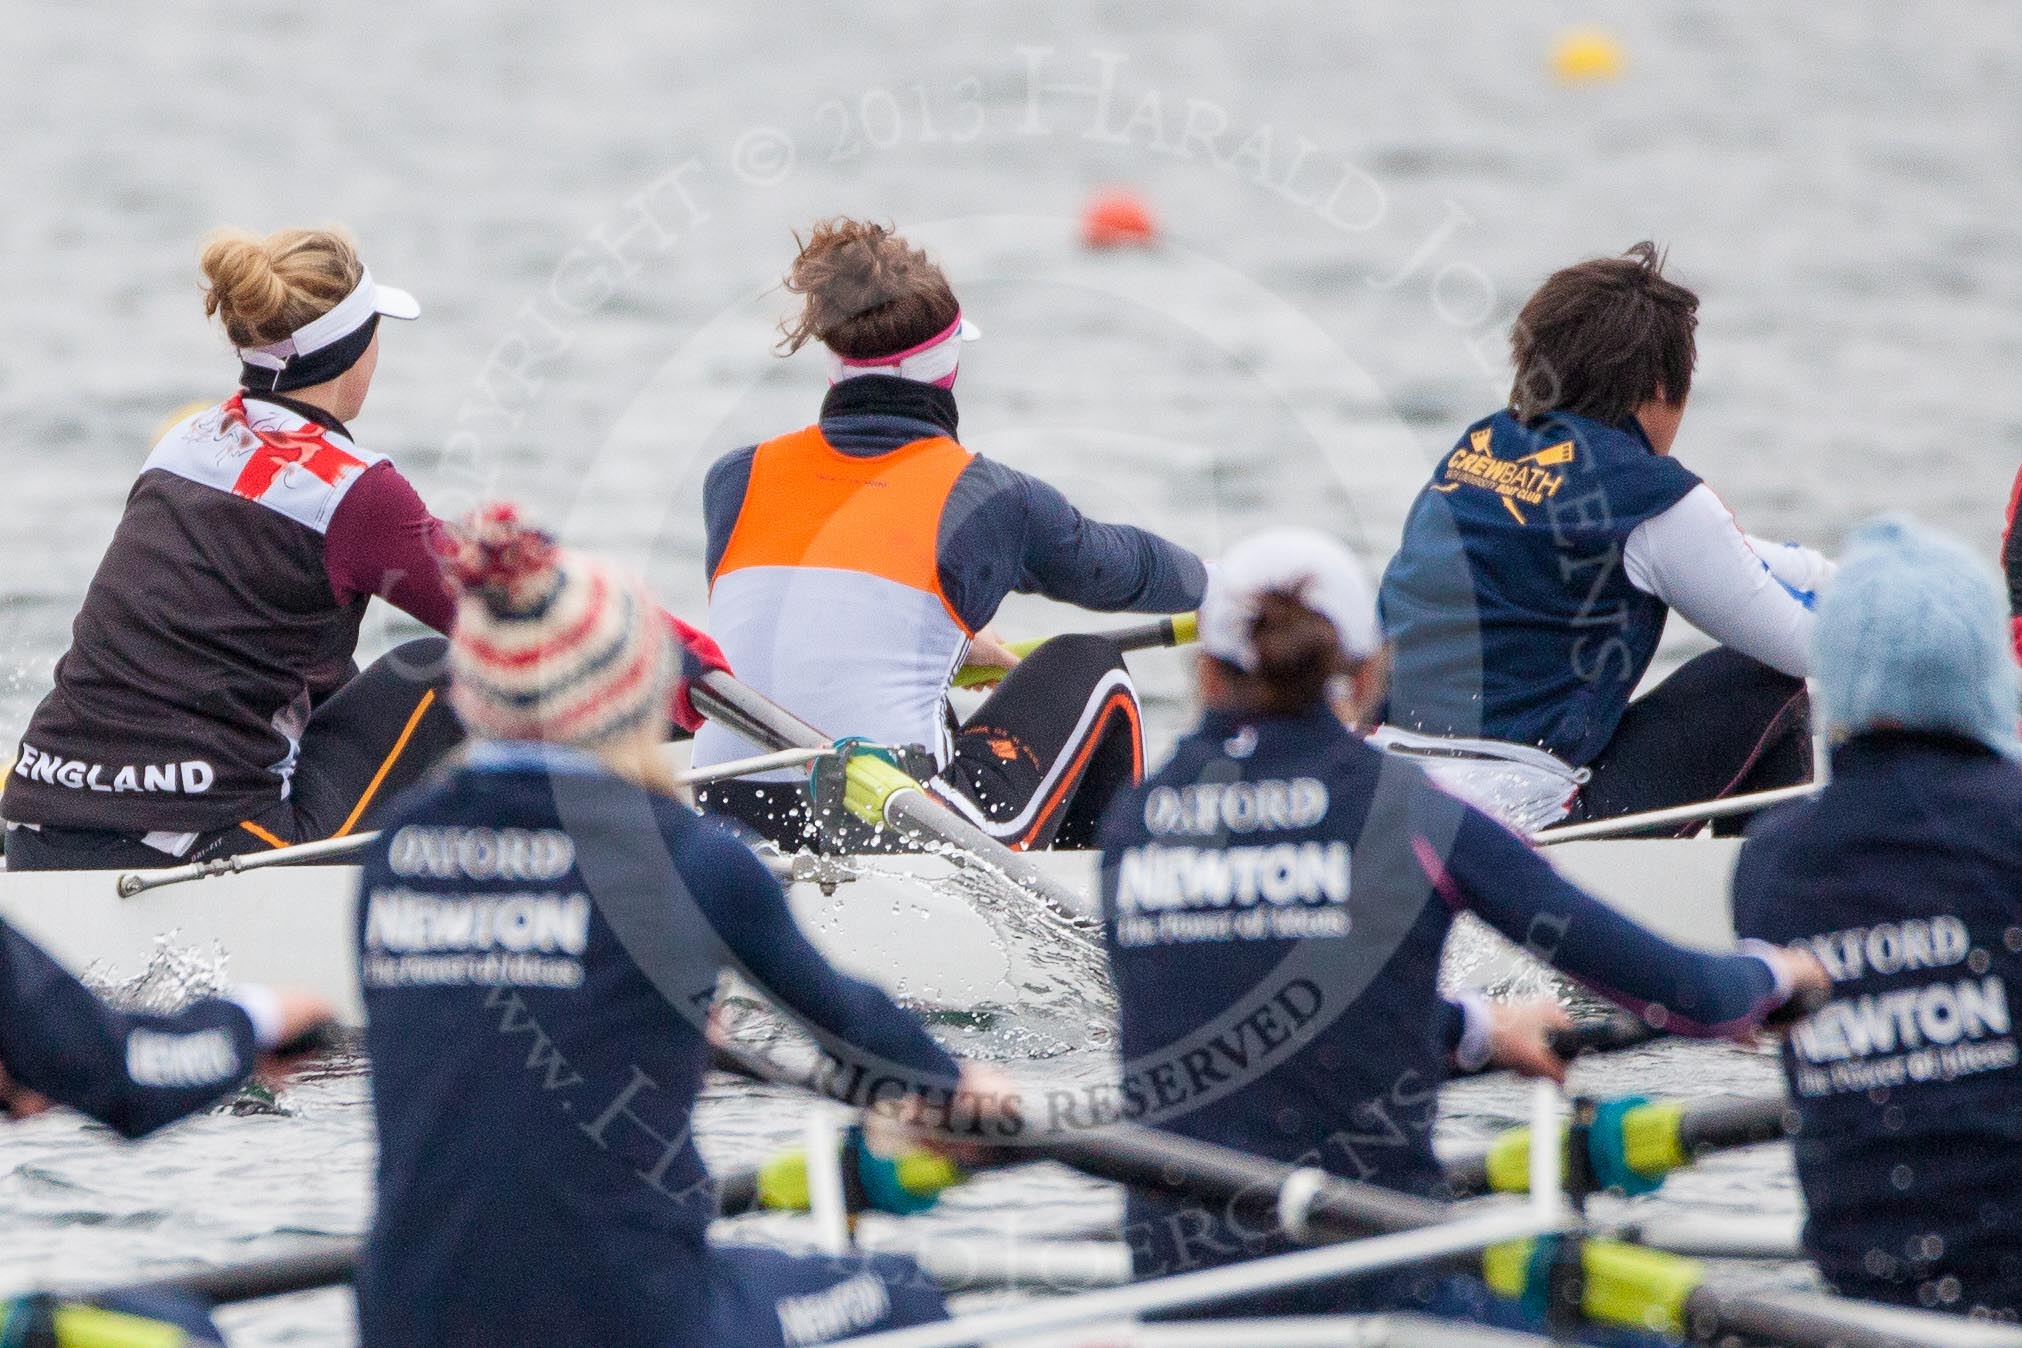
x: 1797, y: 566
x: 1695, y: 558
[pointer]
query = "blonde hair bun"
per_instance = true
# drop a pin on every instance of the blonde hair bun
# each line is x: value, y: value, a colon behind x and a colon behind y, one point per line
x: 264, y: 288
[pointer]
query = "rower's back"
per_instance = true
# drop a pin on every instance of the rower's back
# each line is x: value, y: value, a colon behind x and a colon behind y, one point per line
x: 1510, y: 613
x: 533, y: 1084
x: 1904, y: 877
x: 539, y: 936
x: 1275, y: 946
x: 539, y: 945
x: 853, y: 563
x: 1275, y: 901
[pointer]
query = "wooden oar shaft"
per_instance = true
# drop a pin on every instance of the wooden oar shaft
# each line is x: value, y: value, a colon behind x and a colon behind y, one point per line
x: 1674, y: 815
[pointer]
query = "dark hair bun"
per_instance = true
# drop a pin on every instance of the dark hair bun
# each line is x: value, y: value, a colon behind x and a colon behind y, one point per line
x: 1298, y: 654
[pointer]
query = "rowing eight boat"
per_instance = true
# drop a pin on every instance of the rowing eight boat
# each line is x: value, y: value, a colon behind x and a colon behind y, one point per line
x: 935, y: 933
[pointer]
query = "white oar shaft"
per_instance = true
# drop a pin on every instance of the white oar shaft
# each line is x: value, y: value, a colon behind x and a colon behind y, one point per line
x: 1300, y: 1267
x: 1676, y: 814
x: 744, y: 767
x: 139, y: 882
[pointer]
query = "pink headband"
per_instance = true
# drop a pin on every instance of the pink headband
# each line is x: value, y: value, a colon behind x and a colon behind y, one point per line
x: 933, y: 361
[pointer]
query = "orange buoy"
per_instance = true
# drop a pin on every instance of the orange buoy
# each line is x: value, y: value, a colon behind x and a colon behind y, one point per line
x: 1117, y: 218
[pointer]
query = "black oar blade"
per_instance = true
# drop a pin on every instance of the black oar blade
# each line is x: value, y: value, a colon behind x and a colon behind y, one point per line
x: 251, y: 1281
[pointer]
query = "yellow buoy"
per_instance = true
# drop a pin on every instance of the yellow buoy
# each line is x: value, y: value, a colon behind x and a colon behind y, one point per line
x: 1586, y: 56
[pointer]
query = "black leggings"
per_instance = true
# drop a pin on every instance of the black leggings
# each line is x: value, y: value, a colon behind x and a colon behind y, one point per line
x: 1721, y: 725
x: 364, y: 745
x: 1034, y: 767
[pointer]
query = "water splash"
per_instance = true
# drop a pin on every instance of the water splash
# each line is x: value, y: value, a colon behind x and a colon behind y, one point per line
x: 1481, y: 959
x: 173, y: 977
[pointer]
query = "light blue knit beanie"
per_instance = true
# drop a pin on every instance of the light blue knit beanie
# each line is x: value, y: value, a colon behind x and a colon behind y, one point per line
x: 1913, y: 632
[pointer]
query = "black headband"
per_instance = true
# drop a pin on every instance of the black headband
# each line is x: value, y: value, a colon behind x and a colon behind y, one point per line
x: 318, y: 367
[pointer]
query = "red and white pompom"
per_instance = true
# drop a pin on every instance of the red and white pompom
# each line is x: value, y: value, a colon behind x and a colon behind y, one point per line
x: 497, y: 556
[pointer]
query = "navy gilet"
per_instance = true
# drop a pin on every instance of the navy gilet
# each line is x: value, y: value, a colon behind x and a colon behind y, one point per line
x: 1508, y: 603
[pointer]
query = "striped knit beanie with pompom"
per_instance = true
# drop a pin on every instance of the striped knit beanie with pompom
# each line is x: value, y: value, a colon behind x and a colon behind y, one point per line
x: 552, y: 644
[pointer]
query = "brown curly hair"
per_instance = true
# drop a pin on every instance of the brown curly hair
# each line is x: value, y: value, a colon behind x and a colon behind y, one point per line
x: 865, y: 291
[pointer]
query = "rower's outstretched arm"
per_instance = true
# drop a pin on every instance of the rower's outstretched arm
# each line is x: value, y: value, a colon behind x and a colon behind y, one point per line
x: 748, y: 909
x: 1491, y: 872
x: 997, y: 516
x: 383, y: 541
x: 132, y: 1071
x: 1695, y: 558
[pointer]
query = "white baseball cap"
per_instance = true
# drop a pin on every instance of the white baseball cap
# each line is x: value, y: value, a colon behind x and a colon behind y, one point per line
x: 1303, y: 562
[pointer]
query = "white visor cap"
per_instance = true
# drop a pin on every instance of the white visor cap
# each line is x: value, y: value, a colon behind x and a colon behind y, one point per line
x: 1303, y: 562
x: 336, y: 323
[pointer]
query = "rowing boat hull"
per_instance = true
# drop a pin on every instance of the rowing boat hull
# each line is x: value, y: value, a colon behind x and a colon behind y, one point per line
x: 932, y: 933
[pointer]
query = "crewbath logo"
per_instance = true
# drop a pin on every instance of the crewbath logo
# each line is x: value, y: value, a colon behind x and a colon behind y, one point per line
x: 1516, y: 482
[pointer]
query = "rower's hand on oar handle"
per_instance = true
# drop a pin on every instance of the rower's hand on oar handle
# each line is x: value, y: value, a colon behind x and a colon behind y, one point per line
x: 699, y: 655
x: 306, y: 1028
x: 1520, y: 1037
x: 1810, y: 985
x: 990, y: 658
x: 966, y: 1127
x: 18, y: 1102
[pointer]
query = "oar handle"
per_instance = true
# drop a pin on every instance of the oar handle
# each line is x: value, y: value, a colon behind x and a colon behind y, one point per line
x: 1178, y: 630
x: 1609, y: 1034
x: 1621, y: 1030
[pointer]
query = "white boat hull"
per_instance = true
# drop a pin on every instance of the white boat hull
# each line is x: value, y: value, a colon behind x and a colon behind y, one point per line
x: 932, y: 933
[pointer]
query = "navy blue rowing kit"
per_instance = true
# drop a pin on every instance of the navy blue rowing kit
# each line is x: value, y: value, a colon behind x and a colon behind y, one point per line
x: 1904, y: 877
x: 539, y: 948
x: 1534, y: 578
x: 132, y: 1071
x: 1508, y: 604
x: 1276, y: 899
